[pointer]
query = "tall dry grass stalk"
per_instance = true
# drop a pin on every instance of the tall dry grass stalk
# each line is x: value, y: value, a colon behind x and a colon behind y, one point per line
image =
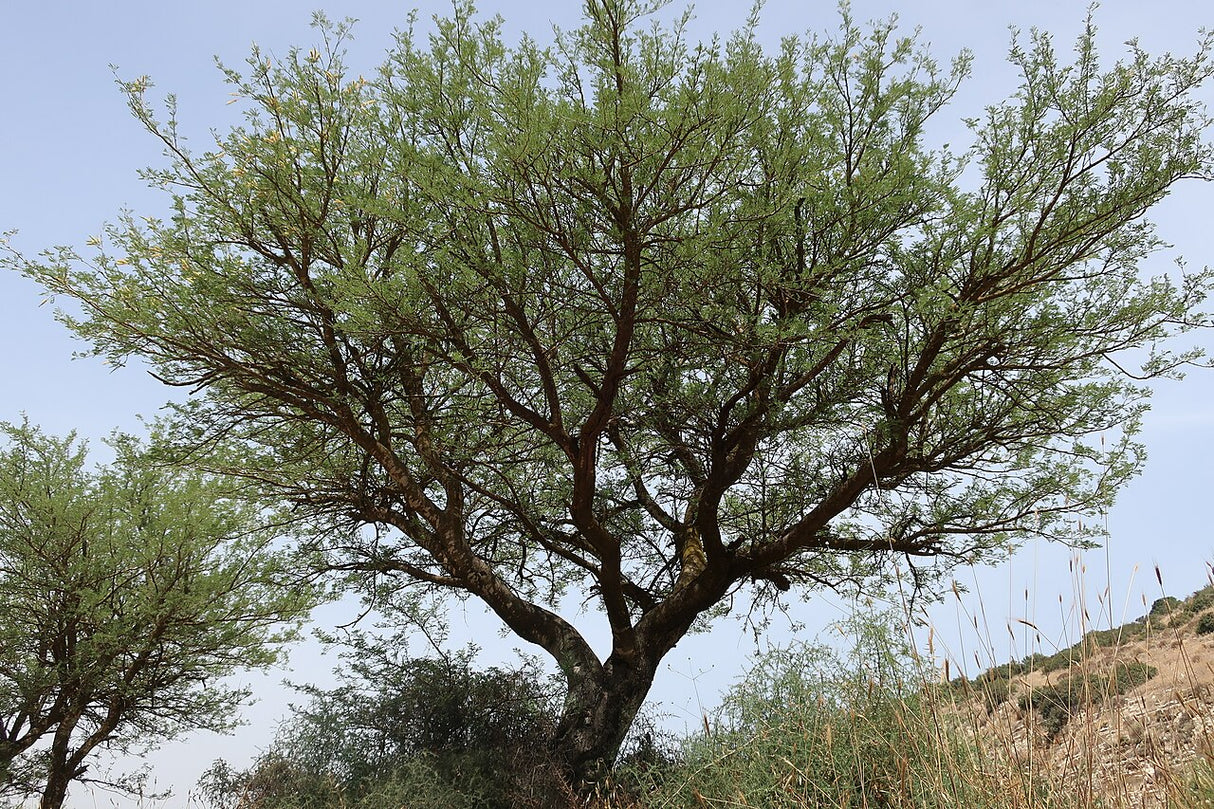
x: 1109, y: 718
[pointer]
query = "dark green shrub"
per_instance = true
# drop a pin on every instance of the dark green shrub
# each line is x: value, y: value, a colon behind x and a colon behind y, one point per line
x: 1056, y: 703
x: 1059, y: 660
x: 995, y: 692
x: 1053, y: 703
x: 422, y: 732
x: 1131, y: 674
x: 1202, y: 600
x: 1164, y: 607
x: 1205, y: 623
x: 1114, y: 637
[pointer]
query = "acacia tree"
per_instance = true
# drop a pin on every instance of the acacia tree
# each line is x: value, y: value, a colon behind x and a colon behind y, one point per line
x: 658, y: 321
x: 126, y: 595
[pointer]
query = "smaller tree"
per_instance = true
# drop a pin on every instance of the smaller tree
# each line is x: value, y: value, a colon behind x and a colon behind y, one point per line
x: 126, y: 595
x: 434, y: 729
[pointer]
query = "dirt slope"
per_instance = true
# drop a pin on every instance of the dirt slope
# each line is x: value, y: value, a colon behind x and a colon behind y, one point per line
x: 1127, y: 748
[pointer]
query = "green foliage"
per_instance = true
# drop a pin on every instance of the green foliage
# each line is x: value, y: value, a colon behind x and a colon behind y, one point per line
x: 994, y: 691
x: 127, y: 595
x: 1031, y: 662
x: 1072, y: 656
x: 1063, y: 659
x: 1172, y: 612
x: 1202, y: 600
x: 656, y: 321
x: 434, y: 730
x: 1111, y: 638
x: 1196, y: 788
x: 1205, y: 623
x: 1164, y: 607
x: 1056, y: 703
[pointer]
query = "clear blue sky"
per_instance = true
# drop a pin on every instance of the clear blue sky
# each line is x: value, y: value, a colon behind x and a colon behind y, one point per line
x: 69, y: 156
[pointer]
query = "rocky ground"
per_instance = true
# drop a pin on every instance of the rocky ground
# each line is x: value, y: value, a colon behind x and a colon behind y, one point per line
x: 1128, y: 749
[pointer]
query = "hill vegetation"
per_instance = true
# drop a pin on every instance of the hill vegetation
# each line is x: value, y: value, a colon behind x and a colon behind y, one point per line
x: 1121, y: 718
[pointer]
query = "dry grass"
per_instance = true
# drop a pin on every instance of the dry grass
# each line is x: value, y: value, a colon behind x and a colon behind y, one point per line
x: 1125, y: 742
x: 877, y: 728
x: 1083, y: 728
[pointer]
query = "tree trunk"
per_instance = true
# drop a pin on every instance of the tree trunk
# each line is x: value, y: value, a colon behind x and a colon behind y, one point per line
x: 59, y: 767
x: 599, y: 709
x: 55, y: 792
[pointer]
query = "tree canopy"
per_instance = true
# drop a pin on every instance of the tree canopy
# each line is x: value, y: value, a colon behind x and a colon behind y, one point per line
x: 127, y: 595
x: 661, y: 321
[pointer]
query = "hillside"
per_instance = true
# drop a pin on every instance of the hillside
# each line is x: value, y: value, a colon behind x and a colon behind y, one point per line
x: 1125, y: 715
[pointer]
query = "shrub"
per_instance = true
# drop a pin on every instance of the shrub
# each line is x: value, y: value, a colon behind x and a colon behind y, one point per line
x: 1202, y: 600
x: 995, y: 692
x: 429, y: 733
x: 1205, y: 623
x: 1059, y: 660
x: 1164, y: 607
x: 1056, y: 703
x: 1114, y: 637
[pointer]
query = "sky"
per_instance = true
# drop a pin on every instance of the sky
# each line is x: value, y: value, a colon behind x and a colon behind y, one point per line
x: 69, y: 160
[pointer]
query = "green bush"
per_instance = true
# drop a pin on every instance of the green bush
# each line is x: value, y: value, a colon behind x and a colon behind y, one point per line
x: 1205, y: 623
x: 1115, y: 637
x: 1057, y: 703
x: 1064, y: 659
x: 1202, y: 600
x: 995, y: 692
x: 1164, y: 607
x: 427, y: 733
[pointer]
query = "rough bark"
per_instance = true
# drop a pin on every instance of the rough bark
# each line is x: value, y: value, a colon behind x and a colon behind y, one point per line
x: 599, y: 709
x: 55, y: 792
x: 59, y: 771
